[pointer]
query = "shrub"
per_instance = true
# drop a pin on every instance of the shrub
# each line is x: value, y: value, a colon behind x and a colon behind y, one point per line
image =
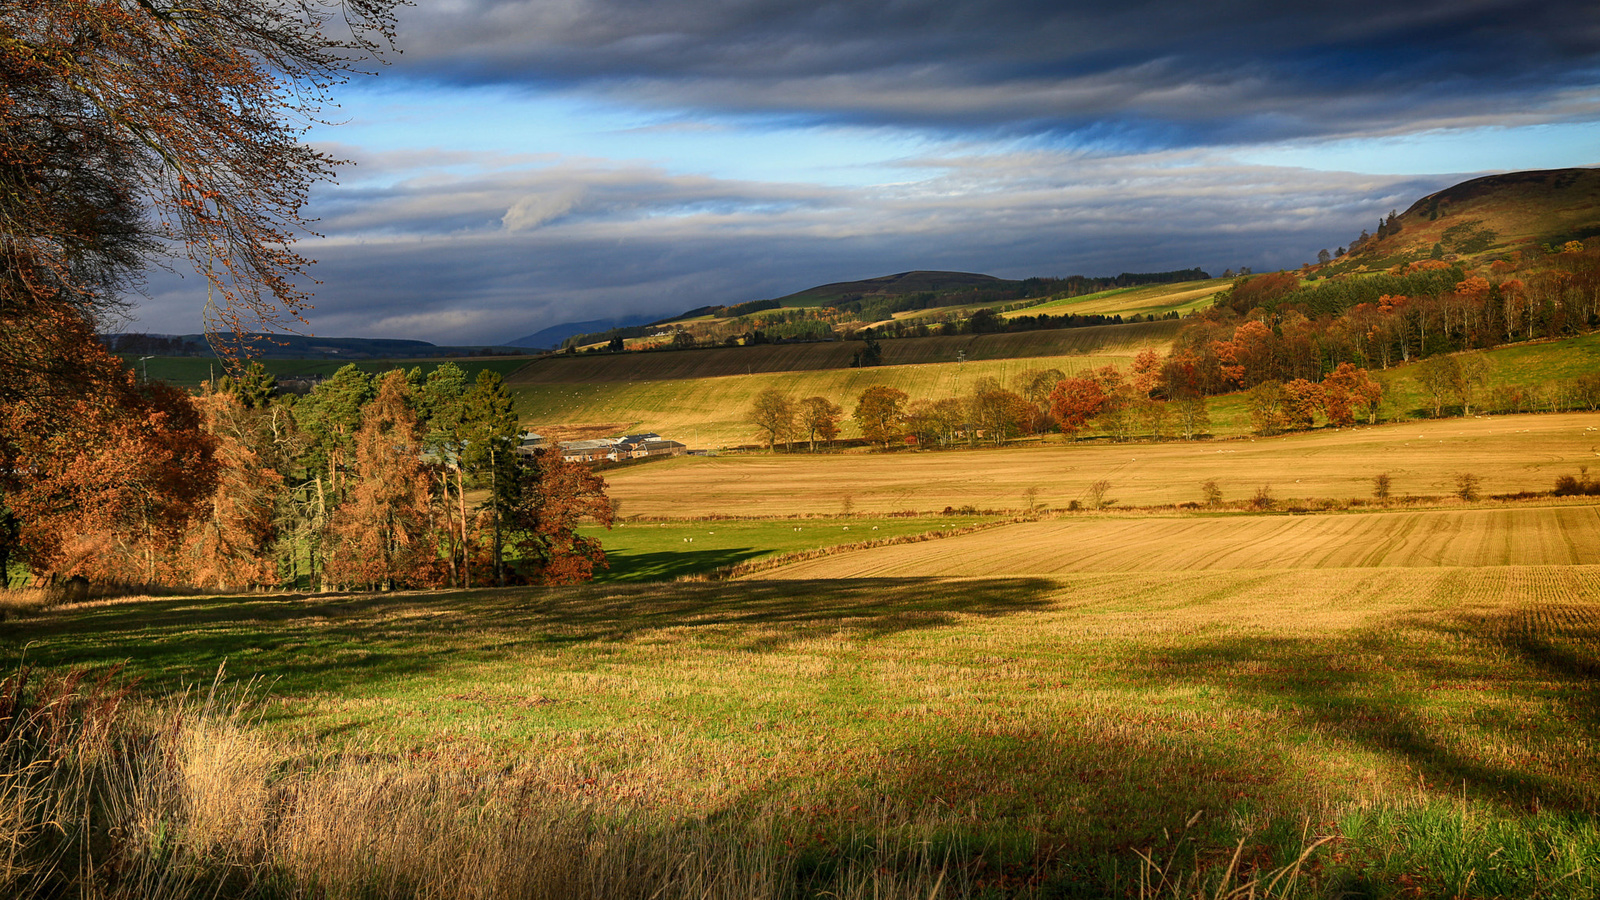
x: 1467, y: 486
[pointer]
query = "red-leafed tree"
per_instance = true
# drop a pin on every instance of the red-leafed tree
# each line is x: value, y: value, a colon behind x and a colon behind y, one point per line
x: 552, y: 498
x: 383, y: 532
x: 1075, y: 401
x: 1078, y: 399
x: 1148, y: 371
x: 1349, y: 391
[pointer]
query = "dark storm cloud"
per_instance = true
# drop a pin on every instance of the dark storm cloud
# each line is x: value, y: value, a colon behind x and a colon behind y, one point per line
x: 1163, y: 74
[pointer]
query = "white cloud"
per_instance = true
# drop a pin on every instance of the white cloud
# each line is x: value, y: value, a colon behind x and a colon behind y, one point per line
x: 534, y: 210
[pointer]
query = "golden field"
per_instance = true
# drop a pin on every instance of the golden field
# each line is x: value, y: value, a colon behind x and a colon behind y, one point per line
x: 1508, y: 453
x: 1520, y: 535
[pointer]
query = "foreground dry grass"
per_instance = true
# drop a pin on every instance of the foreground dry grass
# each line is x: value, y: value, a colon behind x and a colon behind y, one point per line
x: 1508, y: 453
x: 1515, y: 535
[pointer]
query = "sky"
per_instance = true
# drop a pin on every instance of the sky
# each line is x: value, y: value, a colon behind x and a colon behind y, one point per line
x: 522, y: 163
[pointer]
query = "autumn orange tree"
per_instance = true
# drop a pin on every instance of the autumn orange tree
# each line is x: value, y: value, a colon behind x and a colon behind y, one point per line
x: 229, y: 543
x: 819, y: 418
x: 104, y: 484
x: 384, y: 535
x: 1349, y: 390
x: 879, y: 413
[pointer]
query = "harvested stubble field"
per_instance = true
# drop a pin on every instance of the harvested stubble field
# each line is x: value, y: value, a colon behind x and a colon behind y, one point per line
x: 1565, y: 535
x: 1508, y: 453
x: 1035, y: 733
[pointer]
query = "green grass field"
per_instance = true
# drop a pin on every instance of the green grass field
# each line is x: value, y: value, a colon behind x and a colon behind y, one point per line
x: 656, y: 551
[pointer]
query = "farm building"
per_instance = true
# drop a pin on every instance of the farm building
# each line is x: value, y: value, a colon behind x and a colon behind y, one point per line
x: 642, y: 449
x: 589, y: 451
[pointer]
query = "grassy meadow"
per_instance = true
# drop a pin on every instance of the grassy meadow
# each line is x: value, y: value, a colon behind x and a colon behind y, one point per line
x: 1033, y: 736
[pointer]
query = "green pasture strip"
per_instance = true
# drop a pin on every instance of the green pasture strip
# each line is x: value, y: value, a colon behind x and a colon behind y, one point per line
x: 1539, y: 364
x: 660, y: 551
x: 1056, y: 723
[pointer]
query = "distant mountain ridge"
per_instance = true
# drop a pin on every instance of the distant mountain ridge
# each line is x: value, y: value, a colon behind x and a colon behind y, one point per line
x: 914, y: 282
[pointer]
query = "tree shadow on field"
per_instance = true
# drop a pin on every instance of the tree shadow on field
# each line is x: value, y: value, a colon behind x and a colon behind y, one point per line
x: 328, y: 643
x: 662, y: 566
x: 1037, y: 805
x: 1445, y: 701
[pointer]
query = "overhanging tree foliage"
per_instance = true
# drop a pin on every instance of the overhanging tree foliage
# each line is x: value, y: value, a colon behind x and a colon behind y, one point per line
x: 132, y: 131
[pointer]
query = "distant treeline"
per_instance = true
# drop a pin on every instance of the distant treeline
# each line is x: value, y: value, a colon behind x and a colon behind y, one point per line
x: 153, y: 345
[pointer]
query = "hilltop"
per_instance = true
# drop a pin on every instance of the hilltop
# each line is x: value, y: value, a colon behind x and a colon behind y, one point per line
x: 1496, y: 214
x: 895, y: 285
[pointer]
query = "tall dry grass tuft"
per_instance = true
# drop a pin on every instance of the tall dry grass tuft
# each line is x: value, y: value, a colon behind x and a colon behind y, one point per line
x: 192, y: 802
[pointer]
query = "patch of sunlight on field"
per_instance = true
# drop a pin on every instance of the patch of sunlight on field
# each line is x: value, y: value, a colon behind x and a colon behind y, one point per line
x: 1146, y: 300
x: 1508, y: 453
x: 1507, y: 536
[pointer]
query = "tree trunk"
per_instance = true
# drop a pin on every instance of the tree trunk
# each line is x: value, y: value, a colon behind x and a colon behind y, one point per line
x: 461, y: 495
x: 494, y: 500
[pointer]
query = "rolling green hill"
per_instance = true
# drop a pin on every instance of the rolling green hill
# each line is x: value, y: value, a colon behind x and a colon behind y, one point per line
x: 668, y: 365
